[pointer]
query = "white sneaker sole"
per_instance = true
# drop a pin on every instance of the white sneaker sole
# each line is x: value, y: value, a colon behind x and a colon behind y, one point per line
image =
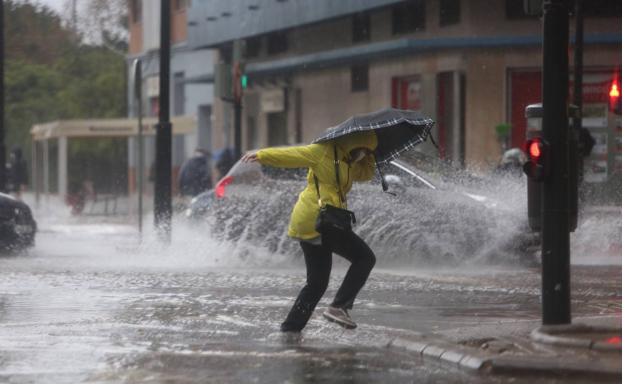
x: 339, y: 321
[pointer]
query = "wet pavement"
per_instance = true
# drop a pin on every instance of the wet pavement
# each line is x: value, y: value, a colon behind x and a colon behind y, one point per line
x: 90, y: 304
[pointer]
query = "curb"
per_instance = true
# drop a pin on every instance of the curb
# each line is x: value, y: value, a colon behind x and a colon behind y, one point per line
x: 562, y: 336
x: 462, y: 358
x: 443, y: 352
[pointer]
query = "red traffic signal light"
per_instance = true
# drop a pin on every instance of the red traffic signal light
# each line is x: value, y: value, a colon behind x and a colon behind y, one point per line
x: 615, y: 102
x: 534, y: 149
x: 614, y: 92
x: 537, y: 166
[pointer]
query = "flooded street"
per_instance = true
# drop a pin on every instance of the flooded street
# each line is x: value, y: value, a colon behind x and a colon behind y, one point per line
x: 91, y: 304
x: 445, y: 149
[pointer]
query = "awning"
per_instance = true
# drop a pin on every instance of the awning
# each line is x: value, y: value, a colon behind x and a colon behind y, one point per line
x: 108, y: 127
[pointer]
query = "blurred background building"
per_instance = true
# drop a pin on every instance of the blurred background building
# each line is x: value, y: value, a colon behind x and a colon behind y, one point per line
x: 473, y: 66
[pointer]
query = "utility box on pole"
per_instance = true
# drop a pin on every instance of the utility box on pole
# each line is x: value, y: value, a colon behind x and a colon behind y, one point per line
x: 534, y: 113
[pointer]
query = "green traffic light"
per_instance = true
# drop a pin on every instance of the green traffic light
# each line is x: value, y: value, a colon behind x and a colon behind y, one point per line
x: 244, y: 81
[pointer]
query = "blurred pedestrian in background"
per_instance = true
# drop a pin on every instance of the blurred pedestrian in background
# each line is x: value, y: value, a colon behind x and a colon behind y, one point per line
x: 224, y: 161
x: 195, y: 174
x: 17, y: 173
x: 586, y: 142
x: 511, y: 163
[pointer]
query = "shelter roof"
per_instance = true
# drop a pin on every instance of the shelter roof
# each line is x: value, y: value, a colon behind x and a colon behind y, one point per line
x: 108, y: 127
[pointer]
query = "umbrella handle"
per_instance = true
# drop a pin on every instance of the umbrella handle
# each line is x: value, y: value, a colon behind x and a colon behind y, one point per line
x: 385, y: 187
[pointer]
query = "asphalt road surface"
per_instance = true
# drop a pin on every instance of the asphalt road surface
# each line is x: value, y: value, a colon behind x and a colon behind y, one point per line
x: 89, y: 304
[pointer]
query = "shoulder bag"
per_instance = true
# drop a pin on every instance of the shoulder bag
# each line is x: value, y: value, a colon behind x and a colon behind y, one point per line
x: 331, y: 218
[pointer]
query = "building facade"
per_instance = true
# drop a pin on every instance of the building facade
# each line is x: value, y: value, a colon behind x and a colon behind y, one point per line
x: 472, y: 66
x: 188, y: 97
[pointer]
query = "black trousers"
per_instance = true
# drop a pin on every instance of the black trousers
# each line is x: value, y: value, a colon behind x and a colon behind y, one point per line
x: 318, y: 259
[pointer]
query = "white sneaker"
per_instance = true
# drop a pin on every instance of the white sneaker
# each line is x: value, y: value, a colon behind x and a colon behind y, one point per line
x: 339, y: 316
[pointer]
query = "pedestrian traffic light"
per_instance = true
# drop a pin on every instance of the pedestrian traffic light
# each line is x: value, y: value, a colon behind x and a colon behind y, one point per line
x: 615, y: 101
x: 538, y: 165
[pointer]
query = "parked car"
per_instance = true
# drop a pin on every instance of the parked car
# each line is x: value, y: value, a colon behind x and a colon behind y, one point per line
x: 17, y: 225
x: 436, y: 213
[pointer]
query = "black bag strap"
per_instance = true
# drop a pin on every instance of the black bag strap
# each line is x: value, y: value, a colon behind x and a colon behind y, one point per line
x: 317, y: 186
x: 341, y: 196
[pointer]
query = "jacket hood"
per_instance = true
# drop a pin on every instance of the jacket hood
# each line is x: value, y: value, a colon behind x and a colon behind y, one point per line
x: 365, y: 139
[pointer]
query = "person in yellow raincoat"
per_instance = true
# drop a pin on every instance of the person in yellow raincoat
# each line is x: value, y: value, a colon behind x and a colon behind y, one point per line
x: 356, y: 163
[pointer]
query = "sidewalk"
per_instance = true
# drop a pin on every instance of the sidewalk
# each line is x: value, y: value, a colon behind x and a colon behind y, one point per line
x: 589, y: 347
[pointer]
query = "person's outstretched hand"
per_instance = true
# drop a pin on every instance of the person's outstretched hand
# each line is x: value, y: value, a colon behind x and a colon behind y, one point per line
x: 250, y: 157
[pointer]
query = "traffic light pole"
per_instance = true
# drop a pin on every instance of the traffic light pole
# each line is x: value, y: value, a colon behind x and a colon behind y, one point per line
x: 237, y: 127
x: 555, y: 215
x: 576, y: 147
x: 238, y: 91
x: 162, y: 195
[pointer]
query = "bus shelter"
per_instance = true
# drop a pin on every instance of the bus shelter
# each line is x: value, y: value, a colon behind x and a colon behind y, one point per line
x: 58, y: 133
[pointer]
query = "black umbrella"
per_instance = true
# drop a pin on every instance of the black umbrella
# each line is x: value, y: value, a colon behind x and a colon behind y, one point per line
x: 397, y: 130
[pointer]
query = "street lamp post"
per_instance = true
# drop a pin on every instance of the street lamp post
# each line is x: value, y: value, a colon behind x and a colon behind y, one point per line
x: 140, y: 167
x: 162, y: 195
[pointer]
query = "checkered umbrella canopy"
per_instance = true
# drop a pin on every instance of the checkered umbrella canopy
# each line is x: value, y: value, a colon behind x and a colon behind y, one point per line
x: 397, y: 130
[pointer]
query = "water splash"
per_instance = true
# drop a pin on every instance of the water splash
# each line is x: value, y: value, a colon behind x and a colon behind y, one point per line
x: 460, y: 224
x: 455, y: 224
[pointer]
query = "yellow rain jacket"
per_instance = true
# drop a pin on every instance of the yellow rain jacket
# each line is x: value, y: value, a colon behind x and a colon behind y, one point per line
x: 319, y: 158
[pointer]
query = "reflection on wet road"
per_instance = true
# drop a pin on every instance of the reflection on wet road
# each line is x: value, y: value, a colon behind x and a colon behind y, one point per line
x: 88, y: 304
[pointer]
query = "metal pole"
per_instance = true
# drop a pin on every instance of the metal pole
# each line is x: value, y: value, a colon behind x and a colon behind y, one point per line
x: 2, y: 125
x: 46, y: 169
x: 237, y: 120
x: 141, y: 166
x: 555, y: 215
x: 36, y: 184
x: 162, y: 196
x: 238, y: 65
x: 138, y: 77
x: 576, y: 147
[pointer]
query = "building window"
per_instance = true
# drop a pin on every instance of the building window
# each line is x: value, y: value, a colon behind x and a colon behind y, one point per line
x: 408, y: 16
x: 602, y: 8
x: 514, y: 10
x: 449, y: 12
x: 359, y: 75
x: 136, y: 9
x: 277, y: 43
x: 361, y: 30
x: 253, y: 46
